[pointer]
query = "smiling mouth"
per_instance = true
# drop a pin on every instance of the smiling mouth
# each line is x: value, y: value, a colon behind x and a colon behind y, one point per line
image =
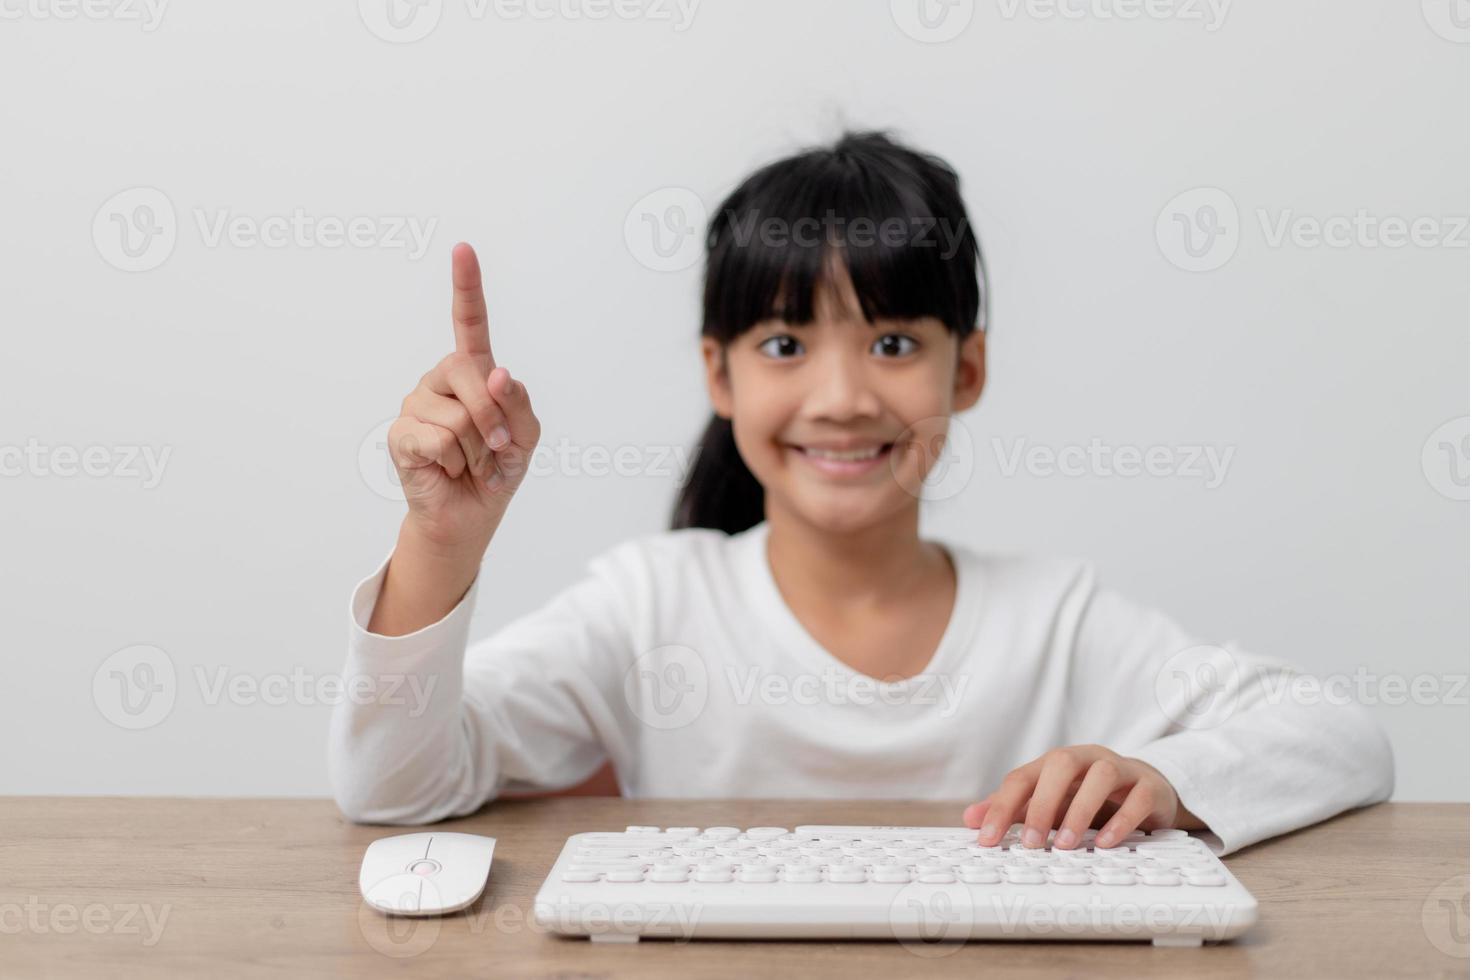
x: 846, y: 455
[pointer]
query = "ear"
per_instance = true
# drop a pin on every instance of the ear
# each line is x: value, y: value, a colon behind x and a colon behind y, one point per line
x: 969, y: 376
x: 717, y: 377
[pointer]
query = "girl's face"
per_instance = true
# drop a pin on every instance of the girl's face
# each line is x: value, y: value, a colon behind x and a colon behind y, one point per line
x: 879, y: 394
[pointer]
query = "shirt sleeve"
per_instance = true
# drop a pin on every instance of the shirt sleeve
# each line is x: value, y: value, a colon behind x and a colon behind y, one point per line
x: 1251, y: 750
x: 432, y: 727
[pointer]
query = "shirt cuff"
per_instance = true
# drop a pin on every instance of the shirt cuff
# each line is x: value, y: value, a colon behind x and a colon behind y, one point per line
x: 452, y: 631
x: 1222, y: 836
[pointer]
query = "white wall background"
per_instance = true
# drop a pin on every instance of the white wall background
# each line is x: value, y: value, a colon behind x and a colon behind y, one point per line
x: 1335, y: 540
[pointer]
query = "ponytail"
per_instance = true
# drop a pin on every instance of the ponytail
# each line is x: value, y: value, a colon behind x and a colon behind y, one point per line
x: 720, y: 492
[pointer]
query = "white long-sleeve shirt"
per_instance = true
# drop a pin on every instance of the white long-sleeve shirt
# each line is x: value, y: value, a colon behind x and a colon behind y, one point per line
x: 676, y: 657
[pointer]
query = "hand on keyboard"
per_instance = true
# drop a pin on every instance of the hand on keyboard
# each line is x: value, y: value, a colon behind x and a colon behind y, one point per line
x: 1073, y: 785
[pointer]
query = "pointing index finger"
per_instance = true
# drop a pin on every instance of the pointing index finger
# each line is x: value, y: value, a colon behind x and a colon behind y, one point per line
x: 471, y: 323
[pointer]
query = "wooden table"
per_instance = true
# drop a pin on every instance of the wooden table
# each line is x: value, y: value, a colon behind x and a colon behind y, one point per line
x: 157, y: 887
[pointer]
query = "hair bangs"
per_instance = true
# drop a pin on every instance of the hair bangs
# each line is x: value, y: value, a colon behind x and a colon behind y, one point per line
x: 898, y: 230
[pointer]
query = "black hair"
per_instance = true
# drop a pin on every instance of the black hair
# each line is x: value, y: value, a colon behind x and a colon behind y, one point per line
x: 891, y: 214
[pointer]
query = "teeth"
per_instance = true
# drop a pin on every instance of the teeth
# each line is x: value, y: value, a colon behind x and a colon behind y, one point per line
x: 851, y: 456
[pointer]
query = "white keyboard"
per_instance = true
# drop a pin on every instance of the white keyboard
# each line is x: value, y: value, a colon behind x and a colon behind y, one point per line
x: 918, y: 885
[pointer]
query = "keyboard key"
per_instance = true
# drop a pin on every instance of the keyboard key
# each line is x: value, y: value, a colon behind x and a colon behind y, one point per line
x: 765, y: 833
x: 643, y: 830
x: 1155, y: 877
x: 937, y: 877
x: 579, y: 876
x: 892, y: 874
x: 1166, y: 847
x: 1172, y: 833
x: 669, y: 874
x: 625, y: 877
x: 713, y: 876
x: 722, y: 831
x: 1068, y: 876
x: 756, y: 876
x: 847, y: 874
x: 1024, y: 876
x: 801, y: 875
x: 1113, y: 876
x: 979, y: 876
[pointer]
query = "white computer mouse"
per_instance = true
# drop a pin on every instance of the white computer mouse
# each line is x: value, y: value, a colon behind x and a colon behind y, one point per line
x: 432, y: 873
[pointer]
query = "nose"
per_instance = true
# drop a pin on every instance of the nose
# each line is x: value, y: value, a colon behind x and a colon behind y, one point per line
x: 840, y: 388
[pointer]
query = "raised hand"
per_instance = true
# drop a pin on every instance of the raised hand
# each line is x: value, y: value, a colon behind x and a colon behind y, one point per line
x: 463, y: 441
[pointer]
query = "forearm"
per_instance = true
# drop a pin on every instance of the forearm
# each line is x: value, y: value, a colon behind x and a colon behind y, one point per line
x: 424, y: 581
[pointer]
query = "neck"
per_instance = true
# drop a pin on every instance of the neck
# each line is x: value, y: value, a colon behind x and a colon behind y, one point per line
x: 863, y: 567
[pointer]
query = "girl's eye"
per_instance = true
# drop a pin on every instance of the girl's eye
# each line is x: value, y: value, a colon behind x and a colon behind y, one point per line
x: 785, y: 343
x: 892, y: 344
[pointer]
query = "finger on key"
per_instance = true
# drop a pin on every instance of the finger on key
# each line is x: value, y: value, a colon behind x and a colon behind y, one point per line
x: 1136, y: 808
x: 1058, y: 775
x: 1006, y: 802
x: 1100, y: 780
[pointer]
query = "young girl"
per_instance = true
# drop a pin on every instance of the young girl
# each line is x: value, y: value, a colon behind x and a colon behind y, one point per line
x: 792, y: 635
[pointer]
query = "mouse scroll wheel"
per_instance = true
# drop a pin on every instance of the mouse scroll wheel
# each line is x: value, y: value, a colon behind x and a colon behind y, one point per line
x: 424, y: 867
